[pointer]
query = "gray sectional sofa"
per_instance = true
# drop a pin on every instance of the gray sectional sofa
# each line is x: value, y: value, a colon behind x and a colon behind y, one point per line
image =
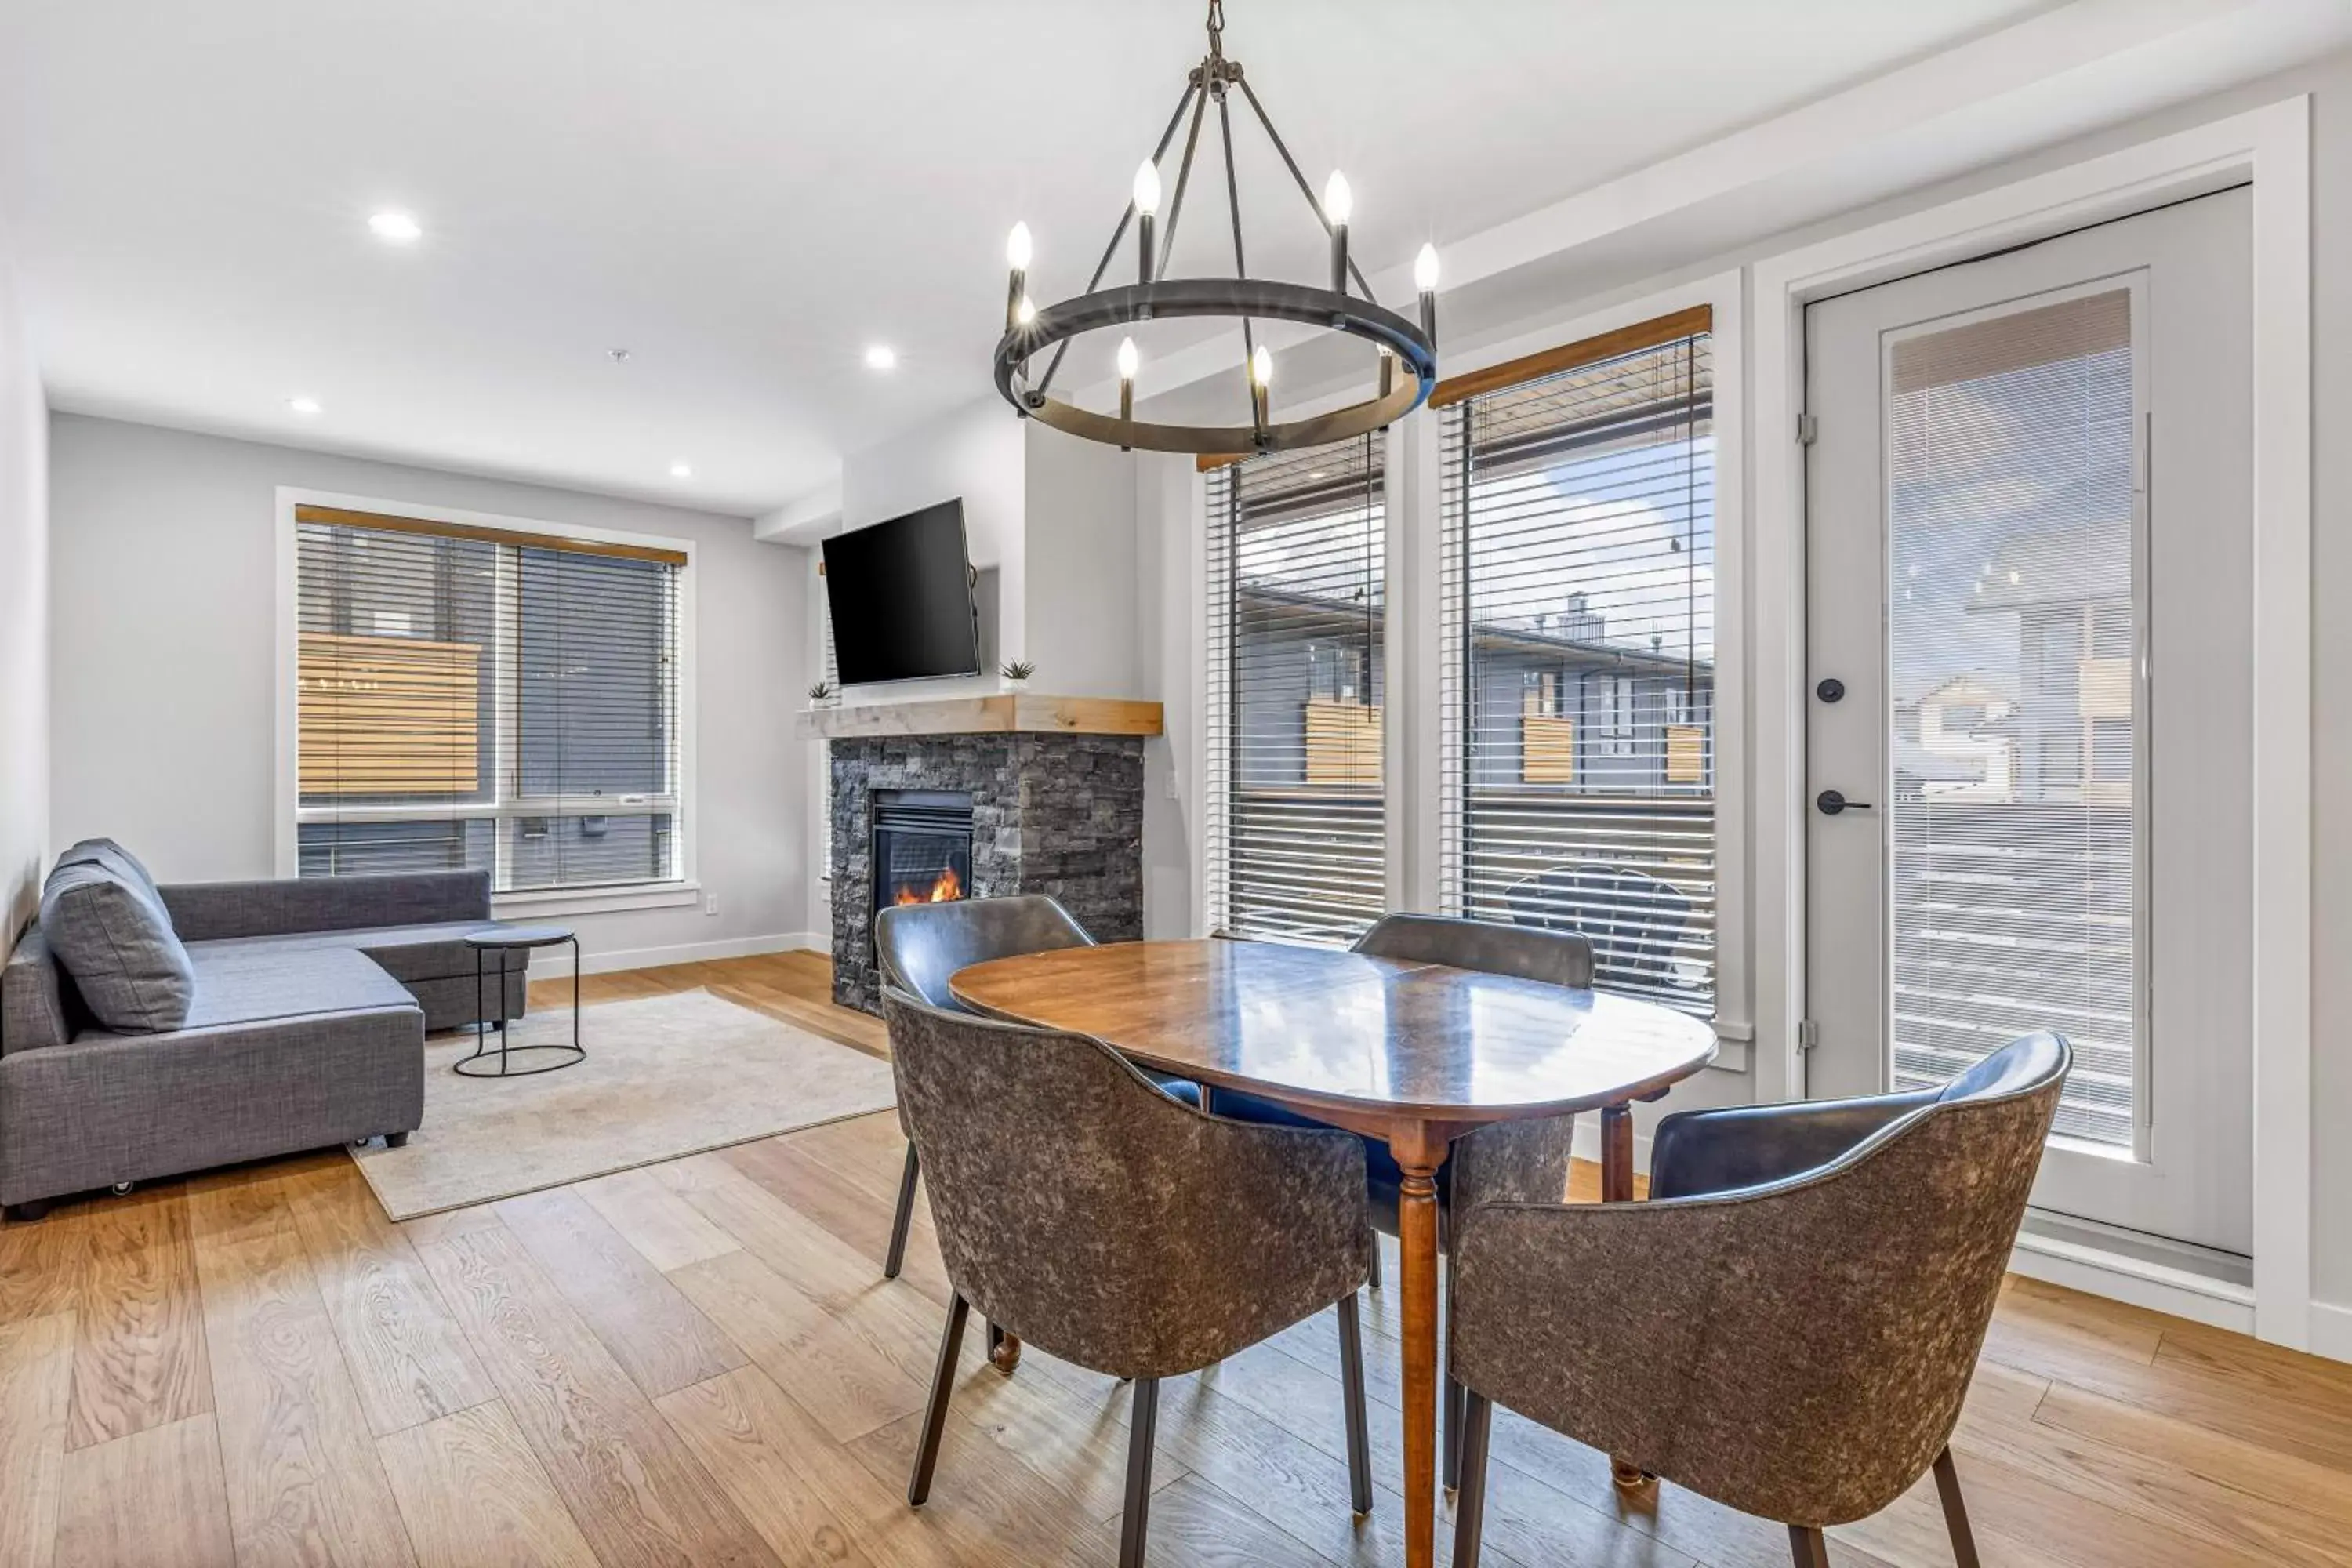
x: 297, y: 1012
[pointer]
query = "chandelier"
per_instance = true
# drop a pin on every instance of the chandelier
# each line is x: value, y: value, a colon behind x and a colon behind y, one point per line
x: 1407, y: 349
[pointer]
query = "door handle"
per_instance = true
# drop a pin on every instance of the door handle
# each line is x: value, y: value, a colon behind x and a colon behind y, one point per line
x: 1829, y: 803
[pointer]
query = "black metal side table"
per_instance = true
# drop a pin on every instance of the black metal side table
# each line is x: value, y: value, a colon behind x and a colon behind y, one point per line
x: 501, y: 941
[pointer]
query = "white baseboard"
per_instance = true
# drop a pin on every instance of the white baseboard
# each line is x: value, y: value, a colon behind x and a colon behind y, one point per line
x: 2177, y: 1292
x: 2331, y: 1331
x: 554, y: 962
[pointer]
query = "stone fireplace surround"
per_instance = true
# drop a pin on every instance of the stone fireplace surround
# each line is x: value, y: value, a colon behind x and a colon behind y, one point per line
x: 1052, y: 813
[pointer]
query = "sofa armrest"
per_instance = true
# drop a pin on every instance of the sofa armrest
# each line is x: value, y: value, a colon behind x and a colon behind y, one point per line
x: 212, y: 911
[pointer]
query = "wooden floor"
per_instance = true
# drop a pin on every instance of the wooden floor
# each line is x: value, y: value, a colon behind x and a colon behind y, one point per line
x: 698, y: 1363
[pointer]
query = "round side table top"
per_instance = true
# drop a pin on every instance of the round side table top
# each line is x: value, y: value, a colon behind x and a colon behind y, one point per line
x: 516, y: 936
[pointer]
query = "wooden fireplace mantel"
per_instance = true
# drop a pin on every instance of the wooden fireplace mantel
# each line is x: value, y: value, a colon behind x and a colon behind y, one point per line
x: 1003, y: 714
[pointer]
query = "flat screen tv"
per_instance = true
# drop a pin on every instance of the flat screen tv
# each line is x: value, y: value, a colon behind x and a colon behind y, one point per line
x: 900, y: 593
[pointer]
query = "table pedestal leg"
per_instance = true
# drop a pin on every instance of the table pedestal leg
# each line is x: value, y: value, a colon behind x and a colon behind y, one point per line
x: 1417, y: 1245
x: 1617, y: 1188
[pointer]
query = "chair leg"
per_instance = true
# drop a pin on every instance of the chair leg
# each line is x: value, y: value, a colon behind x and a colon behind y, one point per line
x: 1373, y: 1278
x: 1351, y: 1389
x: 1449, y: 1462
x: 1806, y: 1543
x: 1956, y: 1512
x: 1470, y: 1502
x: 1135, y: 1515
x: 905, y: 1217
x: 935, y: 1415
x: 1450, y: 1457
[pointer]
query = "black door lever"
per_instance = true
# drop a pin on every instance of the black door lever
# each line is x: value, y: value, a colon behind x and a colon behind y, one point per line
x: 1831, y: 803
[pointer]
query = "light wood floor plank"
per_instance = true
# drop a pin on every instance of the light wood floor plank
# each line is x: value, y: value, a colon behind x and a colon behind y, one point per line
x: 139, y: 1355
x: 809, y: 1500
x: 304, y: 1482
x: 1194, y: 1522
x: 406, y: 1354
x: 655, y: 1220
x: 474, y: 1496
x: 836, y: 1374
x: 652, y: 1329
x: 638, y: 1494
x: 36, y: 1360
x: 995, y: 1509
x: 154, y: 1500
x: 38, y: 1267
x: 849, y: 1208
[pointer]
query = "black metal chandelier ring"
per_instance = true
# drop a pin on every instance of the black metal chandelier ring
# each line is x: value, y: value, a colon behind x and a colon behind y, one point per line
x: 1242, y: 297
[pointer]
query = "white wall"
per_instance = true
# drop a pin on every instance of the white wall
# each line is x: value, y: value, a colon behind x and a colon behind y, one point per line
x: 24, y: 625
x: 163, y: 669
x: 1079, y: 545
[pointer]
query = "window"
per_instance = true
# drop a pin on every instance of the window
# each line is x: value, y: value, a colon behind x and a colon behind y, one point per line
x: 1298, y: 825
x: 2016, y: 876
x: 1578, y: 527
x: 471, y: 697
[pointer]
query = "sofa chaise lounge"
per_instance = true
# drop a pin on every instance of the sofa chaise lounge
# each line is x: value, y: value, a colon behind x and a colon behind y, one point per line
x: 304, y: 1026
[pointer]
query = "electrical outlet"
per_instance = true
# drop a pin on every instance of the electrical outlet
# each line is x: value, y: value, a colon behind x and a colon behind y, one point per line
x: 709, y: 903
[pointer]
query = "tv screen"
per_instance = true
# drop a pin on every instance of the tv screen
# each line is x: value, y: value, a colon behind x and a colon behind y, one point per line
x: 900, y: 593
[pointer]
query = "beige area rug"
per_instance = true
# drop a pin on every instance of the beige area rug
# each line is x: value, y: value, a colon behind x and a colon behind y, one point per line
x: 665, y: 1077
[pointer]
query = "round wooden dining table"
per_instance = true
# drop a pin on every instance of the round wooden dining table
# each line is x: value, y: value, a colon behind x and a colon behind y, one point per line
x: 1414, y: 1054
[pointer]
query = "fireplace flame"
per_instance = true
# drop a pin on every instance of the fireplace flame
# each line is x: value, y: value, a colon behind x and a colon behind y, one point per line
x: 946, y: 889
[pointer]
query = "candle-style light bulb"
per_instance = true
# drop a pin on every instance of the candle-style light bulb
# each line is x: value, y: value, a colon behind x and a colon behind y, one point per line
x: 1424, y: 270
x: 1338, y: 201
x: 1016, y: 255
x: 1262, y: 367
x: 1147, y: 203
x: 1127, y: 359
x: 1025, y: 311
x: 1424, y: 277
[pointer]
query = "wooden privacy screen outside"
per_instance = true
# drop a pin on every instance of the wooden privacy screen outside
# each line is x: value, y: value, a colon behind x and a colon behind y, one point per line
x: 1343, y: 744
x: 1686, y: 754
x: 388, y: 716
x: 1547, y: 750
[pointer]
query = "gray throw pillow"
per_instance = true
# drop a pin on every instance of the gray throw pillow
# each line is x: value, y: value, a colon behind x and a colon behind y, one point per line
x: 109, y: 931
x: 106, y: 852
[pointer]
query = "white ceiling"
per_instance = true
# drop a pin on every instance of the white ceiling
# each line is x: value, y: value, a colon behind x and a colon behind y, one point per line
x: 744, y: 193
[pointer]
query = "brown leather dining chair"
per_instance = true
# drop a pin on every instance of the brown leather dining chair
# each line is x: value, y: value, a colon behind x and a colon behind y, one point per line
x: 1789, y: 1323
x: 920, y: 947
x: 1526, y: 1159
x: 1118, y: 1228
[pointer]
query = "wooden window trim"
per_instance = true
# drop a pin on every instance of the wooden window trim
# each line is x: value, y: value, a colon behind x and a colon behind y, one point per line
x: 1641, y: 335
x: 383, y: 523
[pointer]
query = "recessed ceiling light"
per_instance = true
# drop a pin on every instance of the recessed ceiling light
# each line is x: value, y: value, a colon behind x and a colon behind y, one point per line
x: 881, y: 356
x: 681, y: 471
x: 397, y: 227
x: 303, y: 405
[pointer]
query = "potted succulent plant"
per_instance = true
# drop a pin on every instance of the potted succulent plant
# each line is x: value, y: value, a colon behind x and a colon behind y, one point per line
x: 1016, y: 673
x: 825, y: 694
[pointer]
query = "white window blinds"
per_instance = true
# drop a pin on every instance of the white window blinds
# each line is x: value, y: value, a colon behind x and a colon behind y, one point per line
x: 1578, y: 636
x: 469, y: 697
x: 2013, y: 637
x: 1297, y: 829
